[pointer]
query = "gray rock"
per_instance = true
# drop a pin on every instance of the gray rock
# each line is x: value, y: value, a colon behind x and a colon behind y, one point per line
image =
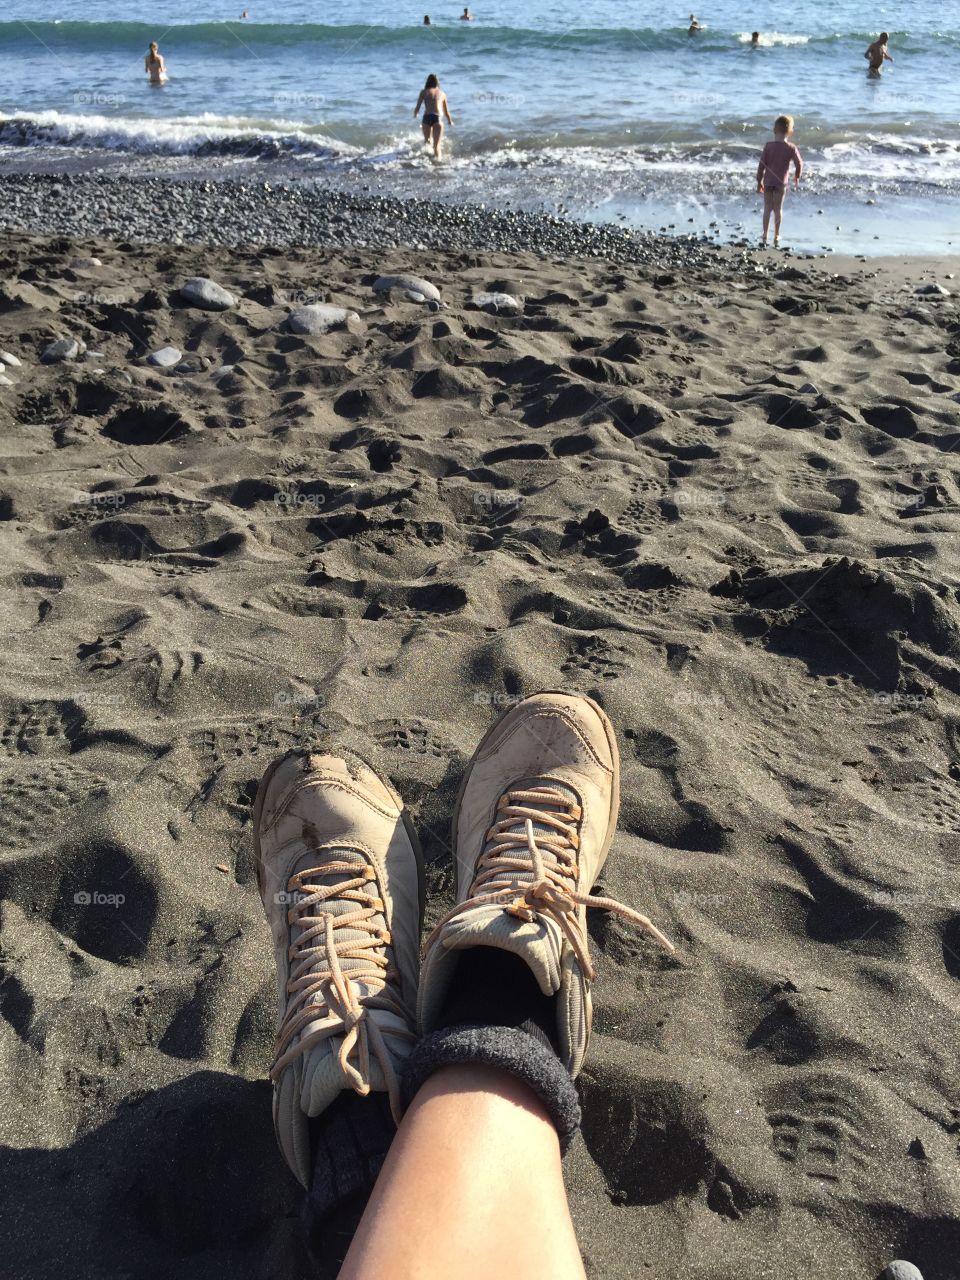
x: 900, y: 1270
x: 408, y: 284
x: 495, y: 303
x: 11, y: 360
x: 62, y: 349
x: 85, y: 264
x: 318, y: 318
x: 166, y: 357
x: 207, y: 294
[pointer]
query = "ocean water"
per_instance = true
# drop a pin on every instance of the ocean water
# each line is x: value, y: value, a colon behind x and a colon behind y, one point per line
x: 605, y: 110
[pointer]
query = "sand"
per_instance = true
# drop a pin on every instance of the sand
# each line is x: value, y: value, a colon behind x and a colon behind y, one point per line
x: 728, y: 509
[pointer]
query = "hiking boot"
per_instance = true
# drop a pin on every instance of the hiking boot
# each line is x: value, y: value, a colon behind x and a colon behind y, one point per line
x: 341, y: 878
x: 536, y: 814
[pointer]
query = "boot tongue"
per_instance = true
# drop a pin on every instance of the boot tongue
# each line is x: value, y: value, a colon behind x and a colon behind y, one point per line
x: 539, y: 942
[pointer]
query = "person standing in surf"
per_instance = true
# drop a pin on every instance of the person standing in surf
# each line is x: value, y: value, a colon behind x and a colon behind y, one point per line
x: 434, y: 103
x: 877, y: 55
x: 773, y: 174
x: 154, y: 65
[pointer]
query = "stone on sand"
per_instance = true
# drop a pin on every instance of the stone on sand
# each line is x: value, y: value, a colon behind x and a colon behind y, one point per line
x: 498, y: 303
x: 415, y: 288
x: 7, y: 358
x: 900, y: 1270
x: 166, y: 357
x: 318, y: 318
x: 207, y: 294
x: 63, y: 349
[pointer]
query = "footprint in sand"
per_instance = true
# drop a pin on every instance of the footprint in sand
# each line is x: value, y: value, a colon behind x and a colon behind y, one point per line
x: 411, y: 736
x: 42, y: 729
x: 35, y: 802
x: 820, y: 1128
x: 592, y: 656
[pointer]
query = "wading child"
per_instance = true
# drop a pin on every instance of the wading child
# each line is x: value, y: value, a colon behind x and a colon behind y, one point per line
x: 773, y: 174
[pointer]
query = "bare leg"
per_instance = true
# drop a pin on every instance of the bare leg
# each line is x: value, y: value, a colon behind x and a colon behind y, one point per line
x: 472, y: 1177
x: 438, y: 139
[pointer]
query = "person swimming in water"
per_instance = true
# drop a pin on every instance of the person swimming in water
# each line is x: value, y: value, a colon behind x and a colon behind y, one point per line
x: 877, y: 55
x: 434, y: 103
x: 154, y: 65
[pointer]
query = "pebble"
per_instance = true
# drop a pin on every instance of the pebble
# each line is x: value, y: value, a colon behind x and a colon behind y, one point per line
x: 413, y: 287
x: 900, y: 1270
x: 238, y: 213
x: 497, y: 302
x: 62, y: 349
x: 207, y: 294
x: 318, y: 318
x: 166, y: 357
x: 11, y: 360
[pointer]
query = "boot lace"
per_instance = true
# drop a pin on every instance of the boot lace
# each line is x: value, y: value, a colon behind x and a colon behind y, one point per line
x: 549, y: 859
x: 319, y: 993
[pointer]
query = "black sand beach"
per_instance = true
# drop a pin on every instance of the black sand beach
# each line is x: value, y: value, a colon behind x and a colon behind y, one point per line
x: 718, y: 492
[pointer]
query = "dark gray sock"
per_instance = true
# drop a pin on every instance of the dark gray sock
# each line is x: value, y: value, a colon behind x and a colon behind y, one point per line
x: 523, y: 1052
x: 350, y: 1143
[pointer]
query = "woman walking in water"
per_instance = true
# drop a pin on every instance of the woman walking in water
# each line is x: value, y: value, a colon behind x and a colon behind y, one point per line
x: 154, y: 65
x: 434, y: 103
